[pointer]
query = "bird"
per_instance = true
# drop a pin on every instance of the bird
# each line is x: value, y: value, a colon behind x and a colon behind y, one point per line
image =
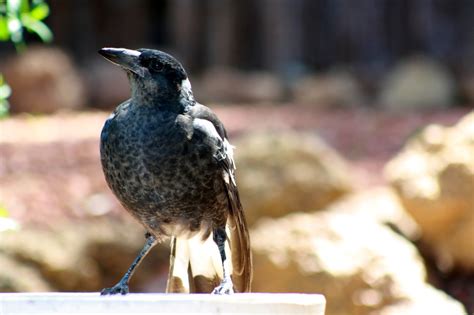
x: 168, y: 160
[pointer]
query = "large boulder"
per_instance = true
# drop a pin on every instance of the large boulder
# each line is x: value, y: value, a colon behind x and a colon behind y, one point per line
x: 85, y: 256
x: 434, y: 179
x: 418, y: 82
x: 360, y: 265
x: 281, y: 172
x: 380, y: 204
x: 335, y: 88
x: 16, y: 276
x: 428, y: 300
x: 44, y: 80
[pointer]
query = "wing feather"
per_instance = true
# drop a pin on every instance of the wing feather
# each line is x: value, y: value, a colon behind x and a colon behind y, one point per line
x: 205, y: 121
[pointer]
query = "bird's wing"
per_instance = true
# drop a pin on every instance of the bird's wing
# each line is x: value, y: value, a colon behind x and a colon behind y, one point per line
x: 206, y: 122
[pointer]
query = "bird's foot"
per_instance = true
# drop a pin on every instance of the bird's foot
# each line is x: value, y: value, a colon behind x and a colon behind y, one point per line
x: 119, y: 288
x: 226, y: 287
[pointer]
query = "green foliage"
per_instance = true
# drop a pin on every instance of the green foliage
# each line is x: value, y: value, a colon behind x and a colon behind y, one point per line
x: 5, y: 92
x: 3, y: 211
x: 19, y: 15
x: 15, y: 17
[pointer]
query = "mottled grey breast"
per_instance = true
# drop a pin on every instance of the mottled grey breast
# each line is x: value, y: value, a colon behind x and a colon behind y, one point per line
x: 161, y: 171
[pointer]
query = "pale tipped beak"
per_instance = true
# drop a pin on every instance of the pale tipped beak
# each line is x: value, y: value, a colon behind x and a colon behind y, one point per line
x: 125, y: 58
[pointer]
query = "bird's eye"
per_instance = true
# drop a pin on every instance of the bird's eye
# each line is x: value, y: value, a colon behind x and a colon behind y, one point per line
x: 155, y: 65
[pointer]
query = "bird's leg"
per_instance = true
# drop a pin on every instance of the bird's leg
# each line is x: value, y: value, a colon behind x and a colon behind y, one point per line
x: 226, y: 286
x: 122, y: 286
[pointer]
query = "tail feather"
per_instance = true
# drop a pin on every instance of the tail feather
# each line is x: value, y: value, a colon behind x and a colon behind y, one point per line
x: 240, y: 245
x: 178, y: 281
x: 195, y: 264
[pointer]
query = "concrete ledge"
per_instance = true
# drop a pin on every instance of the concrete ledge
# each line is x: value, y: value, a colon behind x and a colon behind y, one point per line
x: 93, y: 303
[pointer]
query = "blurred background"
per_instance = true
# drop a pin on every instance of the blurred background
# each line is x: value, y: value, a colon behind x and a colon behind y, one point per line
x: 353, y: 127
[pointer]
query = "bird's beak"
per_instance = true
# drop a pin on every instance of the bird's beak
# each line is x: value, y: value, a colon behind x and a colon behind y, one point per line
x: 125, y: 58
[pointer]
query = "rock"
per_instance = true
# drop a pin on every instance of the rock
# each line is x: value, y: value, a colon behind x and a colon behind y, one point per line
x: 281, y: 172
x: 56, y: 258
x: 227, y: 85
x: 44, y: 80
x: 425, y: 301
x: 434, y: 179
x: 418, y: 83
x: 360, y: 265
x: 380, y: 204
x: 83, y: 257
x: 335, y: 88
x: 18, y: 277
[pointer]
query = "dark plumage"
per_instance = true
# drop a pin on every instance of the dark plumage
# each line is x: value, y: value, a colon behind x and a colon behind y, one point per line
x: 168, y: 161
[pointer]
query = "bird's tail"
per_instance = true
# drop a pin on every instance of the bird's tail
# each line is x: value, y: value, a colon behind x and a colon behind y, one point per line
x: 196, y: 267
x: 241, y: 256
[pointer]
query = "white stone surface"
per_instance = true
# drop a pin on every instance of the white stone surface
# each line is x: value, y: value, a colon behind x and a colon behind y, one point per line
x: 143, y: 303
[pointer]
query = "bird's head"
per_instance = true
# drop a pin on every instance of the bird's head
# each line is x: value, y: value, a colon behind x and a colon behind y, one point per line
x: 155, y: 76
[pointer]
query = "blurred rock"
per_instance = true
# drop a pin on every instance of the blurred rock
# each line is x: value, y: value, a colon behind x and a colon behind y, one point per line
x: 19, y: 277
x: 417, y: 83
x: 425, y: 301
x: 361, y: 266
x: 107, y: 85
x: 44, y: 80
x: 380, y: 204
x: 226, y: 85
x: 335, y: 88
x: 85, y: 256
x: 281, y: 172
x: 434, y: 178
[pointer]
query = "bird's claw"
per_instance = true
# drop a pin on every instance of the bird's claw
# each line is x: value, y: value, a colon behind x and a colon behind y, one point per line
x: 119, y: 288
x: 226, y: 287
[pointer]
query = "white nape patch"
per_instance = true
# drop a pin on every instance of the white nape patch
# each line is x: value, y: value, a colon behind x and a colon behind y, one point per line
x: 111, y: 116
x: 186, y: 90
x: 186, y: 85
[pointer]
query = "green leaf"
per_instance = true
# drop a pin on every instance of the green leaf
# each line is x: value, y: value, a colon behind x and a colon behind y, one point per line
x: 40, y: 12
x: 24, y: 6
x: 37, y: 27
x: 14, y: 28
x: 4, y: 33
x: 13, y: 6
x: 3, y: 7
x: 3, y: 211
x: 5, y: 91
x: 4, y: 109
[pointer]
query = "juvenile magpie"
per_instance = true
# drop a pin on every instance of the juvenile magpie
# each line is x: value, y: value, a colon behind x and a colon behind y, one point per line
x: 168, y: 160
